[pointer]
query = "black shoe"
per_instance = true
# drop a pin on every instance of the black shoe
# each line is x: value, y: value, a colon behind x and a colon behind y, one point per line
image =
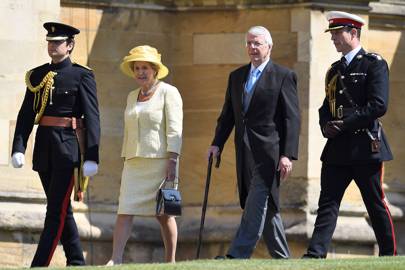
x: 220, y: 257
x: 311, y: 256
x: 226, y: 257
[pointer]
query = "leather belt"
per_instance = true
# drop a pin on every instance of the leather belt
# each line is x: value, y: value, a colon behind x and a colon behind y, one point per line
x: 55, y: 121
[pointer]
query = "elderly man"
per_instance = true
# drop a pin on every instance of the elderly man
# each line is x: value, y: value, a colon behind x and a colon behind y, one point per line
x: 261, y: 103
x: 356, y: 96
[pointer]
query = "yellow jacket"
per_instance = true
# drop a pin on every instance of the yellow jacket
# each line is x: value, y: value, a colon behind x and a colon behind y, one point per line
x: 157, y: 128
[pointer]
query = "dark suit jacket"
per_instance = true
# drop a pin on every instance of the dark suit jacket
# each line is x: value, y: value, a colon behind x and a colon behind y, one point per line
x: 74, y: 95
x: 366, y: 81
x: 272, y: 122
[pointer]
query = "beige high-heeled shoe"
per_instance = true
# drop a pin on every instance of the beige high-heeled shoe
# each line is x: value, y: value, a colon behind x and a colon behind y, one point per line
x: 110, y: 263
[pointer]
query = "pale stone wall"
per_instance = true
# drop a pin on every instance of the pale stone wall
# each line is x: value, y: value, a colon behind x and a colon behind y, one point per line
x: 201, y: 42
x: 197, y: 68
x: 200, y: 57
x: 393, y: 121
x: 389, y: 28
x: 23, y: 46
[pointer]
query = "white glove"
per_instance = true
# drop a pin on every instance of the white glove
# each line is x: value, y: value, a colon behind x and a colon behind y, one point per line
x: 90, y: 168
x: 18, y: 160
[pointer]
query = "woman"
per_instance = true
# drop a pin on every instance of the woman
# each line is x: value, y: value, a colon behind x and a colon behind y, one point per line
x: 151, y: 146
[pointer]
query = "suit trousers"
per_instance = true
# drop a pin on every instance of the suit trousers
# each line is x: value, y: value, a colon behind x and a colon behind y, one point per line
x: 59, y: 222
x: 334, y: 181
x: 260, y: 217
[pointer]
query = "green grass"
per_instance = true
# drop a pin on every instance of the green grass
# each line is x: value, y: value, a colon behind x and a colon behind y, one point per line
x: 372, y: 263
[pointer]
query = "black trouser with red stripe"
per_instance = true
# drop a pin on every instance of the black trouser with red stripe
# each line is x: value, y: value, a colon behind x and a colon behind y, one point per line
x: 59, y: 222
x: 334, y: 181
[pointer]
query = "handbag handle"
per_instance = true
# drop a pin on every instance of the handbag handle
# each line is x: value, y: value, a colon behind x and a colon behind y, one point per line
x: 164, y: 182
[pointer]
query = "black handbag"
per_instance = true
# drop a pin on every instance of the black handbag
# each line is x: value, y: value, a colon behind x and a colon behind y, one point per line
x: 168, y: 200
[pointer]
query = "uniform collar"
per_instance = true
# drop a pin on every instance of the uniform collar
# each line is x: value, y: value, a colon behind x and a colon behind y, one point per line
x: 64, y: 63
x: 350, y: 55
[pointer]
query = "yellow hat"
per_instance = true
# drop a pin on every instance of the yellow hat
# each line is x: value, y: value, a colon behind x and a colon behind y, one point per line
x: 143, y: 53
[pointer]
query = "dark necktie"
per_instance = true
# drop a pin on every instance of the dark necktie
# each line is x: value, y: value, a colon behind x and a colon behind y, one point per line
x: 343, y: 64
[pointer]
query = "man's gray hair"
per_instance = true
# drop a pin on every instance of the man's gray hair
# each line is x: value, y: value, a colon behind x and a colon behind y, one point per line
x: 260, y: 31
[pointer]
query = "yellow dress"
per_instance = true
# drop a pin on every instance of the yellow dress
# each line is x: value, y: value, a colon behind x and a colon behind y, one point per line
x: 141, y: 178
x: 152, y: 128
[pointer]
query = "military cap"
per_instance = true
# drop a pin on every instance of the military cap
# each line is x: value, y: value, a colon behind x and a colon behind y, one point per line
x: 340, y: 19
x: 59, y: 31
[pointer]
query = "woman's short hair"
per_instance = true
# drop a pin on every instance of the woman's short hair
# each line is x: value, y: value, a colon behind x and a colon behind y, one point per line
x: 154, y: 67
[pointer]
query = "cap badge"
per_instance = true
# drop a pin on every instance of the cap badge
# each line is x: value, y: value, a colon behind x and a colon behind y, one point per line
x: 53, y: 29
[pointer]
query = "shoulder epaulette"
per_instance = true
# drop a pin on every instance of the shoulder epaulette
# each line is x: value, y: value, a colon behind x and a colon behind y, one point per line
x: 334, y: 64
x: 328, y: 71
x: 373, y: 56
x: 82, y: 66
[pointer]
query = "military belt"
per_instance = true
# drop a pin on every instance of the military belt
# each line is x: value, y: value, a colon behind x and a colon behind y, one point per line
x: 55, y: 121
x: 344, y: 112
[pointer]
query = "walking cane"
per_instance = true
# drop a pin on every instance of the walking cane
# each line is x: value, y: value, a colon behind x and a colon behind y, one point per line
x: 204, y: 206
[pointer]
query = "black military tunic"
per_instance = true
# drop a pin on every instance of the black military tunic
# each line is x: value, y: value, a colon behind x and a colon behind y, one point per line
x: 366, y: 81
x: 56, y: 151
x: 350, y: 155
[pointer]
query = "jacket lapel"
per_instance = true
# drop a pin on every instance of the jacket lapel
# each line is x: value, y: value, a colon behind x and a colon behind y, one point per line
x: 240, y: 85
x: 261, y: 83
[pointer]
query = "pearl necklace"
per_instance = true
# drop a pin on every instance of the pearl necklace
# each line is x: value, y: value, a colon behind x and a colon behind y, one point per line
x: 150, y: 90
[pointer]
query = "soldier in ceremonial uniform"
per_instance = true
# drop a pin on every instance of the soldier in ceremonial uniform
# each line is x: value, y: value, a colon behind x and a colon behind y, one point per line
x: 356, y: 97
x: 61, y: 98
